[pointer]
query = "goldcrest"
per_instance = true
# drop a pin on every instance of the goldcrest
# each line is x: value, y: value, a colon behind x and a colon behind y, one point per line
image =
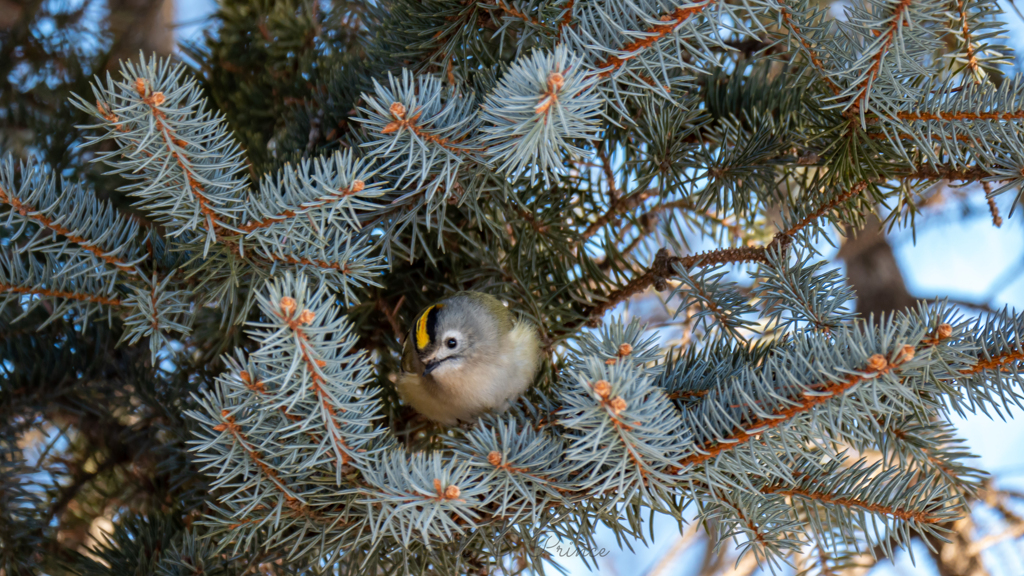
x: 467, y: 355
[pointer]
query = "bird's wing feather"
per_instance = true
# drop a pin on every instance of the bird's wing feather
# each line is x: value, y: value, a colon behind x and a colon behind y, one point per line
x: 410, y: 360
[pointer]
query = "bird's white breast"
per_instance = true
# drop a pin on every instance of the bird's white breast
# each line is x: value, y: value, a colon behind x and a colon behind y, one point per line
x: 488, y: 386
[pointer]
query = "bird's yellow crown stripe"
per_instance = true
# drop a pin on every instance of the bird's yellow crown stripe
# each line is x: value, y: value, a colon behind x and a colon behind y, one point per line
x: 422, y: 332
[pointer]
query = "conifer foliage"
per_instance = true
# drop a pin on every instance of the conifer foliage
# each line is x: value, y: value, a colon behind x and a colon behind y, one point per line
x: 564, y: 156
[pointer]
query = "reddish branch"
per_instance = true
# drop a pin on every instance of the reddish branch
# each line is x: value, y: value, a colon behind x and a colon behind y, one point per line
x: 497, y: 460
x: 997, y: 361
x: 937, y: 137
x: 815, y: 59
x: 950, y: 116
x: 153, y: 101
x: 259, y: 388
x: 972, y: 60
x: 897, y: 19
x: 651, y: 35
x: 614, y: 406
x: 511, y: 10
x: 877, y: 366
x: 341, y: 267
x: 34, y: 213
x: 566, y: 17
x: 356, y: 187
x: 997, y: 220
x: 59, y: 294
x: 399, y: 112
x: 295, y: 322
x: 235, y: 430
x: 826, y: 498
x: 828, y: 206
x: 663, y: 265
x: 944, y: 172
x: 688, y: 394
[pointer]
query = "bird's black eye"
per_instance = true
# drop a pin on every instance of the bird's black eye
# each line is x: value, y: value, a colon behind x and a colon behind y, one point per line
x: 451, y: 342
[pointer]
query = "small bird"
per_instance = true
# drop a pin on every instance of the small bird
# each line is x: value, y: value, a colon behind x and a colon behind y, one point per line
x: 467, y: 355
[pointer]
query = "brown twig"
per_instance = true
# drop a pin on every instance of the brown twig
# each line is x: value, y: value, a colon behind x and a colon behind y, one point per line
x: 997, y: 361
x: 511, y: 10
x: 171, y: 142
x: 287, y: 314
x: 825, y: 208
x: 409, y: 123
x: 997, y: 220
x: 876, y: 367
x: 662, y: 267
x: 650, y: 36
x: 58, y: 294
x: 896, y: 23
x: 972, y: 59
x: 949, y: 116
x: 356, y: 187
x: 828, y: 498
x: 34, y: 213
x: 811, y: 53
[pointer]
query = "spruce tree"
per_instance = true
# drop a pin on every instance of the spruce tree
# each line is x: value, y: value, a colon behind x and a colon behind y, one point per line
x: 210, y: 331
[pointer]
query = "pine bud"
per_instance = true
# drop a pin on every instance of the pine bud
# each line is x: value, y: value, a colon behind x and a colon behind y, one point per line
x: 452, y: 492
x: 944, y: 330
x: 307, y: 316
x: 618, y: 405
x: 140, y: 86
x: 288, y: 306
x: 157, y: 98
x: 494, y: 458
x: 877, y: 362
x: 625, y: 349
x: 907, y: 353
x: 398, y: 110
x: 244, y: 375
x: 555, y: 81
x: 602, y: 388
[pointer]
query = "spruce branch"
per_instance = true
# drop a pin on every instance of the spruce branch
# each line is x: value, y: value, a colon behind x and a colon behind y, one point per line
x: 81, y: 283
x: 670, y: 22
x: 786, y: 287
x: 422, y: 131
x: 542, y: 105
x: 561, y: 152
x: 153, y: 311
x: 827, y: 496
x: 662, y: 267
x: 857, y: 96
x: 182, y: 157
x: 57, y: 206
x: 58, y: 294
x: 876, y: 366
x: 789, y: 18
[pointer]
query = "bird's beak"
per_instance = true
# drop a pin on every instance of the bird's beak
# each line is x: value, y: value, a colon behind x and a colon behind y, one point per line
x: 431, y: 366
